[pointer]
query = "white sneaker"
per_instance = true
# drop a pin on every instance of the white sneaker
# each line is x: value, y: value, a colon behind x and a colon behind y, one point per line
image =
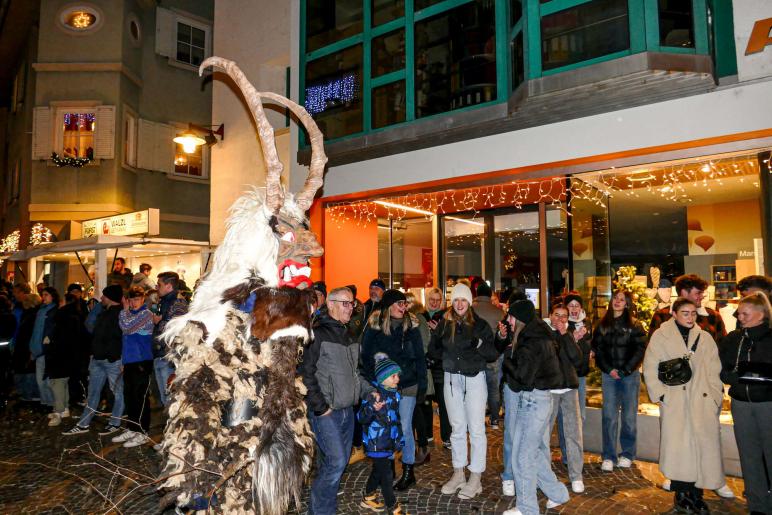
x: 65, y: 413
x: 137, y: 440
x: 666, y: 485
x: 508, y: 487
x: 552, y: 504
x: 624, y: 463
x: 577, y: 486
x: 55, y: 420
x: 725, y: 492
x: 123, y: 437
x: 513, y: 511
x: 607, y: 466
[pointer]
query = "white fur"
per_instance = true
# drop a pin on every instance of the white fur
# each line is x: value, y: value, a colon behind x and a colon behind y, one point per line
x: 295, y: 330
x: 249, y: 247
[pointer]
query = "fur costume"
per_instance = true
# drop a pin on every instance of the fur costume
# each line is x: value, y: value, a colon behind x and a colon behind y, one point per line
x: 238, y: 439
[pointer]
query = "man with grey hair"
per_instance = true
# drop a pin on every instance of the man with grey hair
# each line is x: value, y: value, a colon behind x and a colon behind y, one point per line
x: 331, y: 376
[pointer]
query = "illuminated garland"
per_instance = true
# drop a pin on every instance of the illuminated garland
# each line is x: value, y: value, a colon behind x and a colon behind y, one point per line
x: 75, y: 162
x: 40, y: 234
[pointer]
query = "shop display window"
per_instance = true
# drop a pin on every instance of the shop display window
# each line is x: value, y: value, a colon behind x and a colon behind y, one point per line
x: 405, y: 253
x: 329, y: 21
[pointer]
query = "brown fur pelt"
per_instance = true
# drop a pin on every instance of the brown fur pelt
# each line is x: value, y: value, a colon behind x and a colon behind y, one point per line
x: 255, y: 358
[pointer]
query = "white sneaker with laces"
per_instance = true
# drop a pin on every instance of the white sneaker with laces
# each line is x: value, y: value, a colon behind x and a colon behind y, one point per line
x: 123, y: 437
x: 508, y: 487
x: 607, y: 466
x: 624, y: 463
x: 577, y: 486
x: 513, y: 511
x: 137, y: 440
x: 552, y: 504
x: 725, y: 492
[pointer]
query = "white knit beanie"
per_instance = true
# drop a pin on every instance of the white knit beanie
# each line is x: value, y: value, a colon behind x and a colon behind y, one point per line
x: 462, y: 291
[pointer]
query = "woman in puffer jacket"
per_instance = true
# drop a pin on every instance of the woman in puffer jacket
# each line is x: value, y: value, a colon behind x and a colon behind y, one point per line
x: 464, y: 343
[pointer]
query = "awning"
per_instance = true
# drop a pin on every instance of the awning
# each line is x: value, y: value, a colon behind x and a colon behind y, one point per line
x: 97, y: 242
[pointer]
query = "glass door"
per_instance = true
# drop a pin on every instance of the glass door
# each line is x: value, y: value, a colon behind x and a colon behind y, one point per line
x: 464, y: 250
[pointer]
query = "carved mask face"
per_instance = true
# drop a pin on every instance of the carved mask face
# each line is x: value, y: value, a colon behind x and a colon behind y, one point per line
x: 297, y: 245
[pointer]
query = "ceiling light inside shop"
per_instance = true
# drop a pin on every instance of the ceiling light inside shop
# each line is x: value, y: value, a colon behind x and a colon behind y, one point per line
x: 404, y: 208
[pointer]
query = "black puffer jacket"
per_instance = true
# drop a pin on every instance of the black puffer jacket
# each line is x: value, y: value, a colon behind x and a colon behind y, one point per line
x: 107, y: 339
x: 22, y: 358
x: 404, y: 347
x: 619, y: 347
x: 61, y: 350
x: 747, y: 350
x: 570, y: 357
x: 533, y: 363
x: 585, y: 344
x: 468, y: 351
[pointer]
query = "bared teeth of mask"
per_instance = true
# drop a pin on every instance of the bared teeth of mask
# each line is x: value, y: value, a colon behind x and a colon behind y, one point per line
x: 306, y: 271
x: 293, y: 269
x: 287, y: 275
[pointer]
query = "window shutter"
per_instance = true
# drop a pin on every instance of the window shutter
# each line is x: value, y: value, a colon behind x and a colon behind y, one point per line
x: 146, y: 138
x: 105, y: 133
x: 165, y: 32
x: 165, y: 148
x: 41, y: 133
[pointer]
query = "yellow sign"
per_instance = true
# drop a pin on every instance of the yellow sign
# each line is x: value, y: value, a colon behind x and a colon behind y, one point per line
x: 125, y: 224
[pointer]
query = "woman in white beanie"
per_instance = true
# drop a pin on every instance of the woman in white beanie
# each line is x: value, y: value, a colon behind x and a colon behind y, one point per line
x: 464, y: 343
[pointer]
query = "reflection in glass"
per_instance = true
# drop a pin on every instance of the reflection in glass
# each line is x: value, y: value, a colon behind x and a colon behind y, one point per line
x: 328, y: 21
x: 388, y: 104
x: 516, y: 241
x: 518, y: 60
x: 455, y: 59
x: 676, y: 24
x: 420, y: 4
x: 387, y: 10
x: 464, y: 246
x: 589, y: 30
x: 515, y: 11
x: 388, y: 53
x: 333, y: 92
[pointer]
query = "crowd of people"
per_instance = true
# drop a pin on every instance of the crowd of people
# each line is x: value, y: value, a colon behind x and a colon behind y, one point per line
x: 374, y: 371
x: 102, y: 354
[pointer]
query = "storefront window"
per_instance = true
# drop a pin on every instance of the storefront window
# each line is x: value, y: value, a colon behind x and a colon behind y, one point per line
x: 388, y: 53
x: 455, y: 59
x: 388, y: 104
x: 590, y: 30
x: 328, y: 21
x: 464, y: 249
x: 387, y: 10
x: 405, y: 253
x: 333, y: 92
x: 676, y: 23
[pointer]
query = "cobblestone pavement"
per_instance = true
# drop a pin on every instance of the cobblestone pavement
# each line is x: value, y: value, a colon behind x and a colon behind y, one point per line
x: 44, y: 472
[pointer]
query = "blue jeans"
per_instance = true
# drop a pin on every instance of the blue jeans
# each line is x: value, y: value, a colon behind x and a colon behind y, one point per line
x: 530, y: 463
x: 162, y: 370
x: 46, y: 394
x: 492, y: 373
x: 582, y: 405
x: 334, y: 433
x: 406, y: 408
x: 99, y: 371
x: 510, y: 412
x: 620, y: 395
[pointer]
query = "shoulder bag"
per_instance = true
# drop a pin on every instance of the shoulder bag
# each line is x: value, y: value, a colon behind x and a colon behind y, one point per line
x: 675, y: 372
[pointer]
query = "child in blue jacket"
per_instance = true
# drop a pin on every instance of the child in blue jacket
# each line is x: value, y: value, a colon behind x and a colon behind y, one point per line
x: 382, y: 435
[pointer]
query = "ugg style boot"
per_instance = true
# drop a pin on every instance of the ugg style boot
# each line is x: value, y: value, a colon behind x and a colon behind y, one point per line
x: 457, y: 481
x: 406, y: 480
x: 472, y: 487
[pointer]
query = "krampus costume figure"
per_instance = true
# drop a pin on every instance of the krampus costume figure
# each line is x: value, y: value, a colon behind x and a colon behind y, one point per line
x: 238, y: 440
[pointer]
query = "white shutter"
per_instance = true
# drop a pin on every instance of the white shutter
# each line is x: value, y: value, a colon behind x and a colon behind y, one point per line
x: 41, y: 133
x: 105, y: 133
x: 146, y: 138
x: 165, y: 32
x: 164, y: 155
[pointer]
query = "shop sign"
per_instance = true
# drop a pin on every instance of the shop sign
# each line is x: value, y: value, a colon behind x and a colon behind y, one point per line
x: 753, y: 41
x: 125, y: 224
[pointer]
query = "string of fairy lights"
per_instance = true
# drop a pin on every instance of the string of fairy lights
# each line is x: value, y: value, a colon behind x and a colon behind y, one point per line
x: 670, y: 183
x: 39, y: 233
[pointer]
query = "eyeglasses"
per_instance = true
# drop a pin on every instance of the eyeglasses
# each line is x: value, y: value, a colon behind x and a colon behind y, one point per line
x: 346, y: 303
x: 401, y: 303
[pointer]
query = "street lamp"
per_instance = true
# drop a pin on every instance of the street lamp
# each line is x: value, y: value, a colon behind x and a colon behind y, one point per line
x: 190, y: 139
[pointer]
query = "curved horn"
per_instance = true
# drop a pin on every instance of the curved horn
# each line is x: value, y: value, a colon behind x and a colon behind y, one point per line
x: 274, y: 196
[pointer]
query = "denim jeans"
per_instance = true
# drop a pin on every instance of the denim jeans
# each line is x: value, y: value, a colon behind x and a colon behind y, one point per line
x: 570, y: 424
x: 620, y: 395
x: 510, y: 412
x: 582, y: 390
x: 465, y: 399
x: 530, y: 464
x: 492, y: 373
x: 99, y: 371
x: 46, y: 395
x: 334, y: 433
x: 406, y: 408
x: 163, y: 370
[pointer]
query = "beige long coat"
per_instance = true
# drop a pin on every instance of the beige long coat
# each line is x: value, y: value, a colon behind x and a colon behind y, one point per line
x: 690, y: 445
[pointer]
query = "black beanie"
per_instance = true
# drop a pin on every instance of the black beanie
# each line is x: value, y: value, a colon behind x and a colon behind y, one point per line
x: 390, y: 297
x: 114, y: 293
x: 522, y: 310
x: 483, y: 290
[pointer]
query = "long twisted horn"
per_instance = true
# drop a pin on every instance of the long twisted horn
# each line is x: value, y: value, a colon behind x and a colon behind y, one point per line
x: 315, y: 179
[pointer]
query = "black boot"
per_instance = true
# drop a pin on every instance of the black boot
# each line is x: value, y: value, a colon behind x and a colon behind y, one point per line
x: 683, y: 503
x: 407, y: 480
x: 698, y: 503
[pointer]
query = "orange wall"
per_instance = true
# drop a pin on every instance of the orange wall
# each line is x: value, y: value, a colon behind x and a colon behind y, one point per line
x: 350, y: 254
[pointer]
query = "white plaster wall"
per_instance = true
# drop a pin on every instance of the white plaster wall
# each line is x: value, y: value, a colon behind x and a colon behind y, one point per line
x: 746, y: 14
x: 255, y: 34
x: 725, y: 111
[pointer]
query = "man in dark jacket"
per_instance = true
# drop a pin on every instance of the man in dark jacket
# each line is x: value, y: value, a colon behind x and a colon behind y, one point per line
x: 330, y: 374
x: 170, y: 305
x: 692, y: 287
x: 106, y: 348
x: 377, y: 287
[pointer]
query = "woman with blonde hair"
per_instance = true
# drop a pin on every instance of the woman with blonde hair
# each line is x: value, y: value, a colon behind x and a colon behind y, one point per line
x: 690, y: 436
x: 746, y: 366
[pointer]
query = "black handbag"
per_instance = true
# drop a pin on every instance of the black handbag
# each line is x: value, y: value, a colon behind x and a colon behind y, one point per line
x: 678, y: 371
